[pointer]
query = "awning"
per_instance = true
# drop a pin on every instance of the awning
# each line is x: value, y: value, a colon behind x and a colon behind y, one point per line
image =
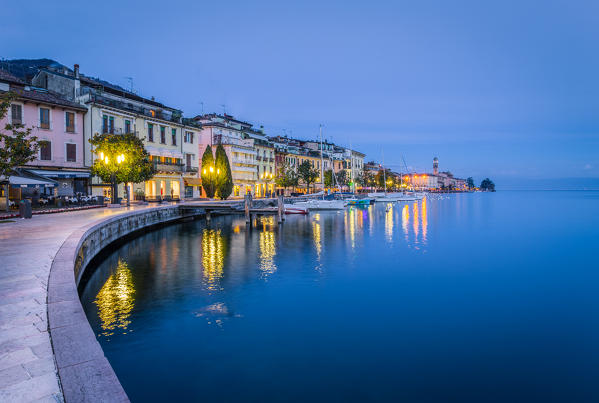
x: 23, y: 182
x: 192, y: 181
x: 60, y: 174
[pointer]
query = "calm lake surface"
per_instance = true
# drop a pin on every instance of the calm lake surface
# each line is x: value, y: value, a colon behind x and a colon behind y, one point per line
x: 467, y: 298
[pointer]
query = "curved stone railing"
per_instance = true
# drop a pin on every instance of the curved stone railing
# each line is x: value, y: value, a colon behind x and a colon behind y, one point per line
x: 85, y: 373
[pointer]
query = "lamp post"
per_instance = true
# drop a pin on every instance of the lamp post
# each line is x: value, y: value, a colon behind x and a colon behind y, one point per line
x: 211, y: 173
x: 106, y: 160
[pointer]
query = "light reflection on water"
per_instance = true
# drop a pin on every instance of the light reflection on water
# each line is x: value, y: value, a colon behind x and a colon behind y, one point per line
x: 364, y: 291
x: 115, y: 300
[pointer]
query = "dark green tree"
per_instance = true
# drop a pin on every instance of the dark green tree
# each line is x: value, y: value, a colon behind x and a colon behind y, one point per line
x: 342, y: 178
x: 224, y: 176
x: 17, y: 145
x: 328, y: 178
x: 307, y: 173
x: 470, y: 183
x: 487, y: 185
x: 286, y: 177
x: 208, y: 173
x: 120, y: 158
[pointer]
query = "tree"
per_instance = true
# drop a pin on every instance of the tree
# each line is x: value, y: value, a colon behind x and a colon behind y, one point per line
x: 470, y: 183
x: 122, y: 158
x: 487, y: 185
x: 307, y: 173
x: 224, y: 178
x: 286, y: 177
x: 342, y: 178
x: 17, y: 145
x: 328, y: 178
x: 208, y: 173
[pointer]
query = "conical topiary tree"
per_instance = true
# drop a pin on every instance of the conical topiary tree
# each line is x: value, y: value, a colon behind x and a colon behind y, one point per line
x: 224, y: 182
x: 208, y: 173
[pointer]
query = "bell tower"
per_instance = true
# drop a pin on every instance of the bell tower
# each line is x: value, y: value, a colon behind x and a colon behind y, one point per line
x: 436, y: 166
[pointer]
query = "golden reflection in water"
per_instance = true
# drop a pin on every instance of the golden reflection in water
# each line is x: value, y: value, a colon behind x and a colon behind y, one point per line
x: 389, y: 222
x: 424, y: 220
x: 415, y: 221
x: 267, y: 253
x: 405, y: 218
x: 352, y: 227
x: 212, y: 258
x: 316, y: 235
x: 116, y: 299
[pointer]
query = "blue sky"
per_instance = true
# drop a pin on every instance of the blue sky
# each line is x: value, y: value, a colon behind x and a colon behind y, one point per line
x: 505, y: 89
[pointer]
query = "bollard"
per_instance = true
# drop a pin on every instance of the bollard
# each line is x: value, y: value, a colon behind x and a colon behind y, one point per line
x: 247, y: 207
x: 208, y: 215
x: 280, y: 209
x: 25, y: 209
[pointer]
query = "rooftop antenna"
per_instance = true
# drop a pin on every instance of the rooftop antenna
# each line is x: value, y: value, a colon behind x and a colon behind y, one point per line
x: 201, y: 103
x: 224, y: 108
x: 130, y: 79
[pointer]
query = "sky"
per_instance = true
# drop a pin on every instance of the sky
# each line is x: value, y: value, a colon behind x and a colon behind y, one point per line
x: 501, y: 89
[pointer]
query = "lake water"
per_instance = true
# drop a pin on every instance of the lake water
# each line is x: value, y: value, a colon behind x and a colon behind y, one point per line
x: 465, y: 298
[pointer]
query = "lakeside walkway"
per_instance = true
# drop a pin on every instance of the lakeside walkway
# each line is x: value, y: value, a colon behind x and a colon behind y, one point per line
x: 27, y: 249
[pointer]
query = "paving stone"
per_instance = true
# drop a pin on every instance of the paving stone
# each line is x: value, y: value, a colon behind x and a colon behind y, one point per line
x: 40, y: 367
x: 65, y: 313
x: 17, y: 357
x: 31, y: 389
x: 13, y: 375
x: 92, y: 381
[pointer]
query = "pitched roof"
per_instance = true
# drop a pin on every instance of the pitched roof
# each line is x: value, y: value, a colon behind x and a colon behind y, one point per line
x: 6, y: 76
x: 47, y: 97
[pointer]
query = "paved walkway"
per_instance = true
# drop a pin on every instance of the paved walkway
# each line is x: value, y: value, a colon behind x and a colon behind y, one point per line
x: 27, y: 248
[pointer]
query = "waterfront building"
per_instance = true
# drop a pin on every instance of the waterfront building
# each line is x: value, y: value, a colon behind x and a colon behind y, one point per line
x: 58, y: 125
x: 265, y: 163
x: 435, y: 181
x: 112, y: 109
x: 231, y: 134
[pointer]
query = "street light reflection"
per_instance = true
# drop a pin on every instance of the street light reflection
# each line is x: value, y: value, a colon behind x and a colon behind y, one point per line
x: 115, y: 300
x: 212, y: 258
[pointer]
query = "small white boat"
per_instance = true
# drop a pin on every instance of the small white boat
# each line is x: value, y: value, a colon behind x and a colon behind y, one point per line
x: 317, y: 204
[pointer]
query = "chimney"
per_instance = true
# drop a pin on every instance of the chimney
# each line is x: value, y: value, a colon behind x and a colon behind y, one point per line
x: 77, y: 86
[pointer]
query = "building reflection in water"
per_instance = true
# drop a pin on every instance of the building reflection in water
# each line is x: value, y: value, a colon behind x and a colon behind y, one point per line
x: 389, y: 222
x: 352, y: 226
x: 405, y: 218
x: 267, y: 247
x: 424, y: 220
x: 415, y: 222
x: 212, y: 258
x: 116, y: 300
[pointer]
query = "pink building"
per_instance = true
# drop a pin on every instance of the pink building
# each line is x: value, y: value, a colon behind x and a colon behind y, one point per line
x: 58, y: 125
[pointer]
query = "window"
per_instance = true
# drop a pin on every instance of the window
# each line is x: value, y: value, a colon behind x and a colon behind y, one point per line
x: 45, y: 118
x: 174, y: 135
x: 69, y: 118
x: 71, y: 152
x: 17, y: 114
x: 150, y: 132
x: 45, y: 150
x: 127, y: 126
x: 104, y: 124
x: 162, y: 135
x: 111, y: 124
x: 189, y: 137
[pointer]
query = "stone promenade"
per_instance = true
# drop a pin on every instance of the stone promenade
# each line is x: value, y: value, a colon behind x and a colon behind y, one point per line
x: 27, y: 248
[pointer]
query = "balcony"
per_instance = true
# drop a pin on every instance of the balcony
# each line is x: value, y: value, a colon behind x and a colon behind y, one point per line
x: 191, y: 169
x: 259, y: 158
x: 168, y: 166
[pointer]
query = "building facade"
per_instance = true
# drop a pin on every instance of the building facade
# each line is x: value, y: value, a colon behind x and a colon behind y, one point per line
x: 113, y: 110
x: 58, y: 125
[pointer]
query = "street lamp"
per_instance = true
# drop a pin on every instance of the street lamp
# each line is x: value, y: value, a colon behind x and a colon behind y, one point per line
x: 119, y: 159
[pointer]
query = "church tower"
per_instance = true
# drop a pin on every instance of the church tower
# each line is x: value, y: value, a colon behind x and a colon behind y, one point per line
x: 436, y: 166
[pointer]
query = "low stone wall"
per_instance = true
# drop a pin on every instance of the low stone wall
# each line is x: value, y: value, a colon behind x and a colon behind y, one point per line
x: 85, y: 373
